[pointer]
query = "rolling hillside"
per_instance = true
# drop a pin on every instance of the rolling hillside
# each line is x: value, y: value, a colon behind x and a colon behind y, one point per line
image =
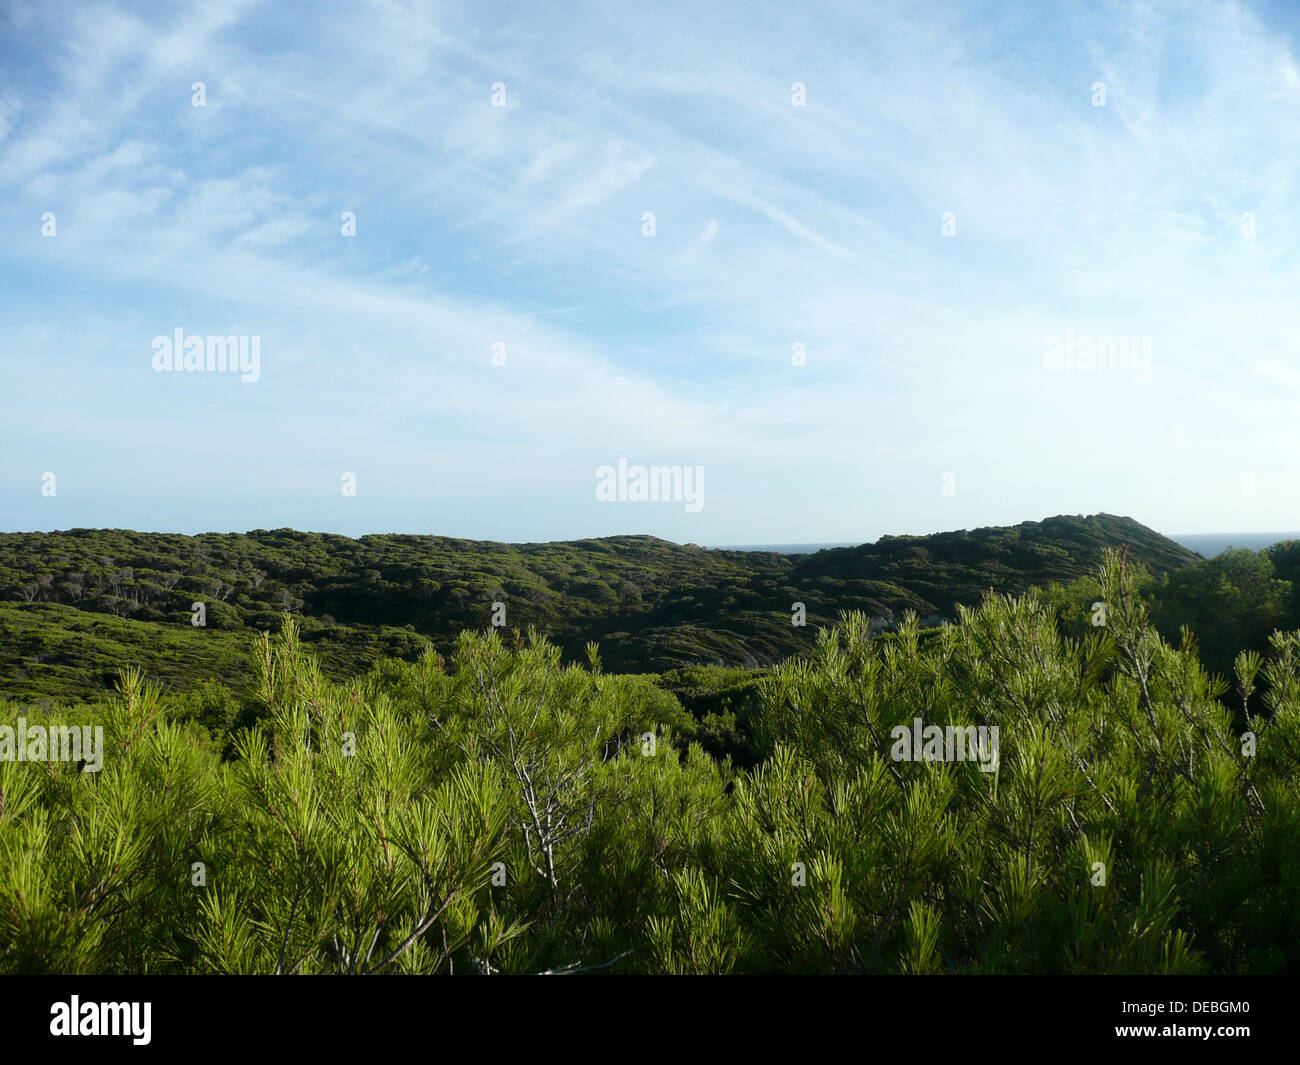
x: 76, y: 604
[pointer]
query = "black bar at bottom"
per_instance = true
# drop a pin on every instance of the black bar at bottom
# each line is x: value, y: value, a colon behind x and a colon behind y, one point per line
x: 499, y: 1014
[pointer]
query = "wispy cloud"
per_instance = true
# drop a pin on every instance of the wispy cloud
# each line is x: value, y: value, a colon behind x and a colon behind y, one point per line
x: 1166, y: 213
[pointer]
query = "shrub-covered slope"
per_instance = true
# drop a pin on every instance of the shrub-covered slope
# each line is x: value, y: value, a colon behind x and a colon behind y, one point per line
x: 651, y: 604
x: 508, y: 813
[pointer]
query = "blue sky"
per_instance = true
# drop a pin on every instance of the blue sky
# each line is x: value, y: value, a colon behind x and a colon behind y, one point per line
x: 1170, y: 213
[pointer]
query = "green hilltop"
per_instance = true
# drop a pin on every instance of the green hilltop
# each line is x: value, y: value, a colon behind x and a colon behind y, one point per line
x: 75, y: 605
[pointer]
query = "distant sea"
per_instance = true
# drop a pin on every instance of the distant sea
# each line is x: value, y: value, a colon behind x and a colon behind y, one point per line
x: 1211, y: 544
x: 780, y: 549
x: 1205, y: 544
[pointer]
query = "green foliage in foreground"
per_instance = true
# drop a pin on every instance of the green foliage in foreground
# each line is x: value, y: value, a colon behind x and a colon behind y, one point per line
x: 509, y: 814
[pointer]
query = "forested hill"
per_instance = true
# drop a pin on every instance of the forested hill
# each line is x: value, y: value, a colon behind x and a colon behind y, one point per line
x: 71, y: 601
x: 956, y: 567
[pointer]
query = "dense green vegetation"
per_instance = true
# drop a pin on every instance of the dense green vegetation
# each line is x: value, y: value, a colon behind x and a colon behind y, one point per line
x: 1222, y: 606
x: 75, y: 605
x: 503, y: 811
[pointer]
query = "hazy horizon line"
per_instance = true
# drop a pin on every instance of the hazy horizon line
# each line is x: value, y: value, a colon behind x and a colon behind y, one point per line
x: 753, y: 545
